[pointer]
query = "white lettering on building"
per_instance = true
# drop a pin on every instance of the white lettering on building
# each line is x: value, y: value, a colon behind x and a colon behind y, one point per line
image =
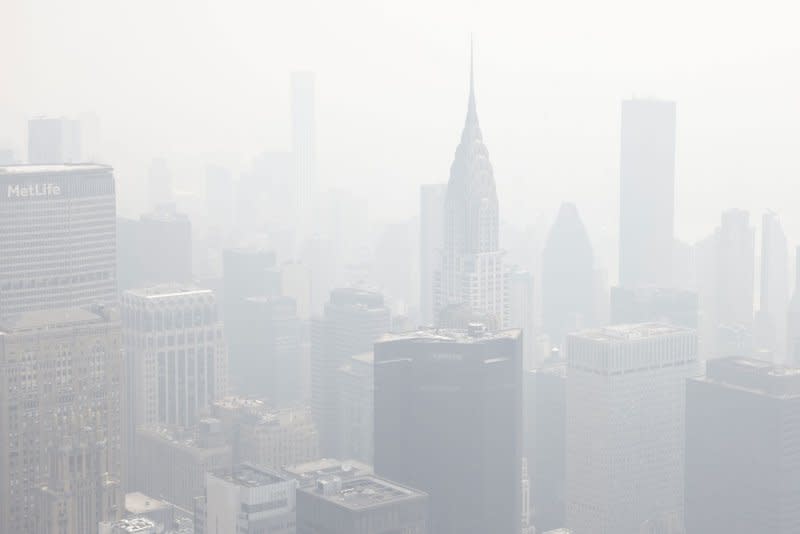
x: 33, y: 190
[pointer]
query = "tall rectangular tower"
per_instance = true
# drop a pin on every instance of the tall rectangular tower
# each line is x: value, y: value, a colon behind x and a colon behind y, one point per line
x: 54, y: 140
x: 58, y: 245
x: 646, y: 193
x: 431, y: 225
x: 304, y: 148
x: 625, y: 427
x: 448, y: 421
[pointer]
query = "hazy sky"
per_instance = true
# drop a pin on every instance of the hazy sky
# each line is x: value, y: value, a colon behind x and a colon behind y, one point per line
x: 201, y: 82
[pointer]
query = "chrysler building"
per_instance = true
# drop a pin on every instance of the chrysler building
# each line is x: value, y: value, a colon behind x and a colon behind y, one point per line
x: 472, y: 276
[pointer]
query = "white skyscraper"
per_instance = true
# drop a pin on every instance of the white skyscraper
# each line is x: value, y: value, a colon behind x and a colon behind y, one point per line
x: 625, y: 428
x: 304, y: 149
x: 472, y: 272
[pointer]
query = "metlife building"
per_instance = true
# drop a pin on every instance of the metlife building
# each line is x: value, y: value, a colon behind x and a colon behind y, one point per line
x: 57, y: 237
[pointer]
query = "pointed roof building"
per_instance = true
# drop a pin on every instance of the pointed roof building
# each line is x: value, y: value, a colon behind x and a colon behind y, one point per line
x: 471, y: 227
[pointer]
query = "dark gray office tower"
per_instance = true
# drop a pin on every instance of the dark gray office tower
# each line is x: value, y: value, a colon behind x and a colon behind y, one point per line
x: 431, y: 225
x: 362, y: 505
x: 247, y: 272
x: 652, y: 304
x: 793, y: 321
x: 545, y: 443
x: 156, y: 249
x: 353, y: 320
x: 57, y: 248
x: 448, y: 421
x: 54, y: 141
x: 567, y: 276
x: 273, y: 355
x: 742, y: 449
x: 647, y: 193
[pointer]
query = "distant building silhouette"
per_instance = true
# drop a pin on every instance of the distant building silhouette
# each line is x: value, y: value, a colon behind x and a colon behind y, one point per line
x: 648, y: 304
x: 793, y: 320
x: 472, y: 270
x: 624, y: 433
x: 770, y: 320
x: 353, y: 321
x: 357, y: 407
x: 431, y: 225
x: 448, y: 421
x: 304, y: 149
x: 742, y: 451
x: 54, y: 141
x: 567, y: 276
x: 647, y: 193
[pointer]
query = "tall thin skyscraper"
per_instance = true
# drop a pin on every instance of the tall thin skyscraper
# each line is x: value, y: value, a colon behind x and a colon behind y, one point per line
x: 742, y: 449
x: 567, y: 276
x: 793, y: 320
x: 448, y: 421
x: 774, y: 288
x: 472, y: 271
x: 625, y: 427
x: 431, y: 224
x: 54, y: 141
x: 58, y: 244
x: 647, y: 193
x: 304, y: 149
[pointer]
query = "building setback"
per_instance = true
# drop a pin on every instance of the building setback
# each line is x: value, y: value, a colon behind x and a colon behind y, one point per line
x: 743, y: 448
x: 448, y: 418
x: 58, y: 245
x: 60, y: 421
x: 361, y: 505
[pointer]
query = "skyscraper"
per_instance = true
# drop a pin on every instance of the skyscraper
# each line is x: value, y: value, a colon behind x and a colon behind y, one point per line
x: 647, y: 193
x: 431, y: 224
x: 58, y: 245
x: 54, y: 141
x: 353, y: 320
x: 625, y: 427
x: 175, y: 348
x: 567, y: 276
x: 742, y: 450
x: 793, y: 320
x: 770, y: 325
x: 60, y: 421
x: 304, y: 149
x: 357, y: 408
x: 448, y: 421
x: 472, y: 271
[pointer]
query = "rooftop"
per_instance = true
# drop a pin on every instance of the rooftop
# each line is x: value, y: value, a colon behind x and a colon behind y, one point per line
x: 53, y: 318
x: 168, y: 291
x: 307, y: 473
x: 630, y: 332
x: 139, y: 503
x: 362, y: 492
x: 65, y: 168
x: 755, y: 376
x: 449, y: 335
x: 134, y: 524
x: 250, y: 476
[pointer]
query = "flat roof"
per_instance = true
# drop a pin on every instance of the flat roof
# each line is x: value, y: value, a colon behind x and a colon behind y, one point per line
x: 630, y: 332
x: 308, y: 472
x: 366, y: 492
x: 139, y: 503
x: 47, y: 318
x: 250, y: 476
x: 66, y: 168
x: 168, y: 290
x: 451, y: 335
